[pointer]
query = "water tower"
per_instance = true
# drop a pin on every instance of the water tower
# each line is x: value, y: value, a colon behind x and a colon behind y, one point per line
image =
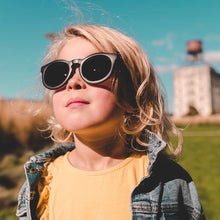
x: 194, y: 51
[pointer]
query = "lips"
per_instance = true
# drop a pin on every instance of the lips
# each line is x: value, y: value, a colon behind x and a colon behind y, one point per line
x: 76, y: 103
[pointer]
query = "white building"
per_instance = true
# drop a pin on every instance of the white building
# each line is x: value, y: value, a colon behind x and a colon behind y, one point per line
x: 197, y: 88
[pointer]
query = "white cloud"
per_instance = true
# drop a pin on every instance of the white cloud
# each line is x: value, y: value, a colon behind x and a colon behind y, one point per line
x: 212, y: 57
x: 158, y: 43
x: 164, y: 59
x: 162, y: 69
x: 212, y: 37
x: 166, y: 42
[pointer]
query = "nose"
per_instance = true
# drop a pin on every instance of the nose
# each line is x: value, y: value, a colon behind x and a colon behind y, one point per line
x: 76, y: 82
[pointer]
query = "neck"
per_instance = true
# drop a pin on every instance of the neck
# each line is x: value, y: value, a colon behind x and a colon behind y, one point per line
x: 97, y: 153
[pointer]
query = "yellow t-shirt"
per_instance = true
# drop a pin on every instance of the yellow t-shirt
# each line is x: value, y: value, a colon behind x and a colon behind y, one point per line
x: 69, y: 193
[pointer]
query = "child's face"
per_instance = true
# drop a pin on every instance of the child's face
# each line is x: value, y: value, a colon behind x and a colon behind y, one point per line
x: 80, y: 107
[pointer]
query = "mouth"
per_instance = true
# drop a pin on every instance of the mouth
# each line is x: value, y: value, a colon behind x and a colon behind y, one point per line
x: 76, y: 103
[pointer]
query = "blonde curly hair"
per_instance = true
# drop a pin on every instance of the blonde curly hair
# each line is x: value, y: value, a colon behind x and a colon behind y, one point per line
x: 136, y: 88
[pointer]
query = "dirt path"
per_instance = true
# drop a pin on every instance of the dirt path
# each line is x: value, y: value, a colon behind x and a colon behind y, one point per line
x: 195, y: 120
x: 202, y: 133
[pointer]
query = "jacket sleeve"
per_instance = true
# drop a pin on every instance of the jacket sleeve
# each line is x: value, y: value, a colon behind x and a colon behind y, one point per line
x: 179, y: 187
x: 191, y: 199
x: 168, y: 192
x: 22, y: 202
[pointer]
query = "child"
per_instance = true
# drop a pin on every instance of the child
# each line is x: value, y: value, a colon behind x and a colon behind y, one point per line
x: 108, y: 117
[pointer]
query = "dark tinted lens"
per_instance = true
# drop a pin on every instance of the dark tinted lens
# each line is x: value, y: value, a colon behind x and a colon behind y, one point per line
x: 56, y: 74
x: 96, y: 68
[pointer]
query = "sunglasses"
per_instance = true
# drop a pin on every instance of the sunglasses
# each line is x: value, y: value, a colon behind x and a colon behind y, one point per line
x: 94, y: 69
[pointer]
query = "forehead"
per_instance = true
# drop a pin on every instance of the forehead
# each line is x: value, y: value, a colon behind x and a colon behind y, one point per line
x: 77, y: 48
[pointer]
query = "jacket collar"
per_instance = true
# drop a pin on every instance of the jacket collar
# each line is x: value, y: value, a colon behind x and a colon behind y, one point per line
x: 51, y: 154
x: 156, y: 145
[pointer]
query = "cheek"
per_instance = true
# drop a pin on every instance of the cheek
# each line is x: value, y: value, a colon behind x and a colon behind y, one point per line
x: 105, y: 102
x: 107, y: 110
x: 56, y: 105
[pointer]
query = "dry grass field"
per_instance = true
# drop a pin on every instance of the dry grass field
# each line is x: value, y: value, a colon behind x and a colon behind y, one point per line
x: 20, y: 137
x: 20, y: 122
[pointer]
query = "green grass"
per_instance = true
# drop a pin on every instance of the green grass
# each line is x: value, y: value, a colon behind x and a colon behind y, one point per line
x: 8, y: 214
x: 201, y: 159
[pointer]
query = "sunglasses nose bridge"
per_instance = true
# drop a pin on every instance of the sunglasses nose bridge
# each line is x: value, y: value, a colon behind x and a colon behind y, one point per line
x: 75, y: 64
x: 72, y: 79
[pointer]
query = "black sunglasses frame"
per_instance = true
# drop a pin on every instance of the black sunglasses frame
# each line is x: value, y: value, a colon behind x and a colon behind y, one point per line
x: 113, y: 57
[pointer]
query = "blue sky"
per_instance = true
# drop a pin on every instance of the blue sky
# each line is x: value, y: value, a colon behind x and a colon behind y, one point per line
x: 162, y: 27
